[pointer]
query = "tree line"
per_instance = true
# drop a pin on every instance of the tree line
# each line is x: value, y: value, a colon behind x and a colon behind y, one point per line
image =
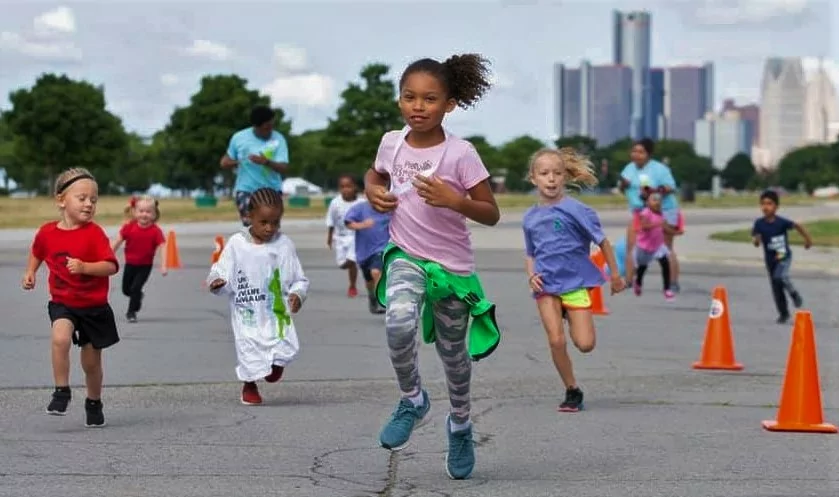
x: 60, y: 122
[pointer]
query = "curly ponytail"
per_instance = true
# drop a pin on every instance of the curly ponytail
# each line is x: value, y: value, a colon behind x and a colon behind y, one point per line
x: 465, y: 77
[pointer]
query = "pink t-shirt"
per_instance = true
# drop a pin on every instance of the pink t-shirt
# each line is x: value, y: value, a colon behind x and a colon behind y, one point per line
x: 650, y: 239
x: 422, y: 231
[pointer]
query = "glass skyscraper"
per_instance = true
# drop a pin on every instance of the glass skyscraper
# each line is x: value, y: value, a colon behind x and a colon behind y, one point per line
x: 631, y: 47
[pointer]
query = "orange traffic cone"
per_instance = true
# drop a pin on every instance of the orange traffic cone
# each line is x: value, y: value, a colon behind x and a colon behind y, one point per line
x: 718, y: 348
x: 801, y: 397
x: 173, y: 259
x: 599, y: 260
x: 219, y: 247
x: 598, y: 306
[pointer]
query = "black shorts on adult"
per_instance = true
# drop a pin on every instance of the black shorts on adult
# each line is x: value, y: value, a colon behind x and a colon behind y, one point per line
x: 374, y: 262
x: 92, y: 325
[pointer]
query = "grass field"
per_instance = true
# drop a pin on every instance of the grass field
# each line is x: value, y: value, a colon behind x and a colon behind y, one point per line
x: 825, y: 233
x: 31, y: 212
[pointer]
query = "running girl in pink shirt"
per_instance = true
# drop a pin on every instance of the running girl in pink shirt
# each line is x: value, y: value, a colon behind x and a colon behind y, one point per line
x: 433, y: 182
x: 651, y: 226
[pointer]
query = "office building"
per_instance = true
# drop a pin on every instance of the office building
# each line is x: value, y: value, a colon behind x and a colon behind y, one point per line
x: 750, y: 112
x: 782, y: 103
x: 631, y: 47
x: 721, y: 137
x: 688, y: 97
x: 659, y: 122
x: 593, y: 101
x: 820, y: 107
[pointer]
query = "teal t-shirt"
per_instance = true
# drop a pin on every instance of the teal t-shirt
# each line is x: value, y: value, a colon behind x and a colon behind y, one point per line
x: 249, y: 175
x: 654, y: 175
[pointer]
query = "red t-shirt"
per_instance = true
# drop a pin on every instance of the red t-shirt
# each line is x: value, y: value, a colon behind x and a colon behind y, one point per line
x: 88, y: 243
x: 141, y: 242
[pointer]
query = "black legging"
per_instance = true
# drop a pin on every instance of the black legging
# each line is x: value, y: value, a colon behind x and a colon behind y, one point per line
x: 133, y: 279
x: 664, y: 262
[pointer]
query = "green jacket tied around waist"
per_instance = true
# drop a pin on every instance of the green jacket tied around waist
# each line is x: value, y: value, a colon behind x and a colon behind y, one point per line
x: 483, y: 335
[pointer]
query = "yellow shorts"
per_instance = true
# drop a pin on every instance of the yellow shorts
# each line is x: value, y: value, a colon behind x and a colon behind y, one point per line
x: 575, y: 299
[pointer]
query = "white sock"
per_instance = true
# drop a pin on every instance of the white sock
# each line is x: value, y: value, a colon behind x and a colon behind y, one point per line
x: 459, y: 426
x: 417, y: 399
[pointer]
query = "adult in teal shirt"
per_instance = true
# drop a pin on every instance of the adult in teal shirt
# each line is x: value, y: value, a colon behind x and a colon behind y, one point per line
x: 259, y: 154
x: 642, y: 176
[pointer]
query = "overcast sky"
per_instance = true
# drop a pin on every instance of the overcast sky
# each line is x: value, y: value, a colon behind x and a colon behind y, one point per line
x: 150, y: 55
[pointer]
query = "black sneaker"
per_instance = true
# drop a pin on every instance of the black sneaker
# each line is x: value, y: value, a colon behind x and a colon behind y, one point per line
x: 782, y: 319
x: 797, y: 300
x: 93, y: 411
x: 60, y: 401
x: 131, y: 317
x: 573, y: 400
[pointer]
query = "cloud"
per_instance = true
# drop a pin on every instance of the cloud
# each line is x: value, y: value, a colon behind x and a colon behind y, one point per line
x: 208, y: 50
x: 59, y: 20
x: 169, y: 79
x: 42, y: 49
x: 733, y: 12
x: 290, y: 58
x: 308, y: 90
x: 50, y: 38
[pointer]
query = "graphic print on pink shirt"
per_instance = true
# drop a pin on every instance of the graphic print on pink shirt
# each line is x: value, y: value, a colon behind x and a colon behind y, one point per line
x: 650, y: 239
x: 425, y: 232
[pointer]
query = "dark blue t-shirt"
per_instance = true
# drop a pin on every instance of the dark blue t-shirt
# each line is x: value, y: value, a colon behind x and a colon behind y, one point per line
x: 558, y: 237
x: 773, y: 236
x: 370, y: 241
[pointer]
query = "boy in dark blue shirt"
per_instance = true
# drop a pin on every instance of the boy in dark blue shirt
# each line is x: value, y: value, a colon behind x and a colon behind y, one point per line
x: 771, y: 230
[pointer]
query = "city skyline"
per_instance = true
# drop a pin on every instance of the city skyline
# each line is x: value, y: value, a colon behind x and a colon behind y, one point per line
x: 304, y: 55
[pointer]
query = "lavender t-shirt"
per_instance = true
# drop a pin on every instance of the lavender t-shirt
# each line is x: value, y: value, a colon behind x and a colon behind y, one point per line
x: 558, y: 237
x: 431, y: 233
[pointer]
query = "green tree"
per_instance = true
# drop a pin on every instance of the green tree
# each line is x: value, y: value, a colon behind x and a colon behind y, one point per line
x: 583, y: 144
x: 197, y: 135
x: 813, y: 166
x: 61, y: 123
x: 738, y: 172
x: 367, y: 111
x: 310, y: 157
x: 514, y: 156
x: 8, y: 161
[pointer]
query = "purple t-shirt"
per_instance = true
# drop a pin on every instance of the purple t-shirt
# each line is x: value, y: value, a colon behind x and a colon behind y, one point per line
x: 558, y: 237
x: 369, y: 241
x: 425, y: 232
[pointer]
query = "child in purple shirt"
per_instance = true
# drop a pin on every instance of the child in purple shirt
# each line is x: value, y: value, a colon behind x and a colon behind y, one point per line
x: 558, y: 234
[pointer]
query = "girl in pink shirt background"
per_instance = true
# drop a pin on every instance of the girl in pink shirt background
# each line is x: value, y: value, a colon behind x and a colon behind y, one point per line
x: 432, y: 182
x: 650, y: 227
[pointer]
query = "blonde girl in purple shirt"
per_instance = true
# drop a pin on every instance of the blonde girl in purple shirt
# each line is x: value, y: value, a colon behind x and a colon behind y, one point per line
x: 558, y: 234
x: 432, y: 182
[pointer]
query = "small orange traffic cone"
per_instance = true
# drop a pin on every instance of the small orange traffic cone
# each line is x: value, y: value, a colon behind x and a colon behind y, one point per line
x: 598, y: 306
x: 718, y: 347
x: 599, y: 260
x: 173, y: 259
x: 801, y: 397
x: 219, y: 244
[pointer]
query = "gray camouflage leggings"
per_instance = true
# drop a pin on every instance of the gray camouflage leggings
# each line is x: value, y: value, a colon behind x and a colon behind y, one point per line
x: 405, y: 296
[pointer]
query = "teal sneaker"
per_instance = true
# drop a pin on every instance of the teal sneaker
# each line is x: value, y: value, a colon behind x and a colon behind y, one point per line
x: 403, y: 421
x: 460, y: 460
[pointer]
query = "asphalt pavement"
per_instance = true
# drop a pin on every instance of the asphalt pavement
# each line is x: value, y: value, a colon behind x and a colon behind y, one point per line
x: 652, y: 425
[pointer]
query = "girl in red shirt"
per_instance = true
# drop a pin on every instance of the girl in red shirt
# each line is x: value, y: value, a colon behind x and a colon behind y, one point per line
x: 143, y: 240
x: 80, y: 261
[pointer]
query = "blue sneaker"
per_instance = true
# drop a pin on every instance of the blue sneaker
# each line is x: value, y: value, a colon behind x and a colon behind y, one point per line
x: 405, y: 418
x: 460, y: 460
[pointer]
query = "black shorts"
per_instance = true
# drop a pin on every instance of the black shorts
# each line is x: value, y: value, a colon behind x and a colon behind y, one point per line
x: 242, y: 199
x: 374, y: 262
x: 93, y: 325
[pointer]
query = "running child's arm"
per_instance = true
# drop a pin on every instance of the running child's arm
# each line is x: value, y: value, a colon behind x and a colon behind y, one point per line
x: 100, y: 268
x: 480, y: 206
x: 105, y: 266
x: 363, y: 225
x: 118, y: 242
x: 808, y: 241
x: 330, y: 225
x: 755, y: 235
x: 221, y: 272
x: 32, y: 267
x: 299, y: 283
x: 618, y: 282
x: 354, y: 219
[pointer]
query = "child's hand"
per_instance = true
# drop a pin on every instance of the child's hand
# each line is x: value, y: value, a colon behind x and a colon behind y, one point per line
x: 381, y: 199
x: 618, y: 284
x: 216, y: 284
x: 807, y: 244
x: 435, y: 192
x: 756, y: 241
x: 164, y: 271
x: 28, y: 282
x: 294, y: 302
x: 535, y: 283
x: 75, y: 266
